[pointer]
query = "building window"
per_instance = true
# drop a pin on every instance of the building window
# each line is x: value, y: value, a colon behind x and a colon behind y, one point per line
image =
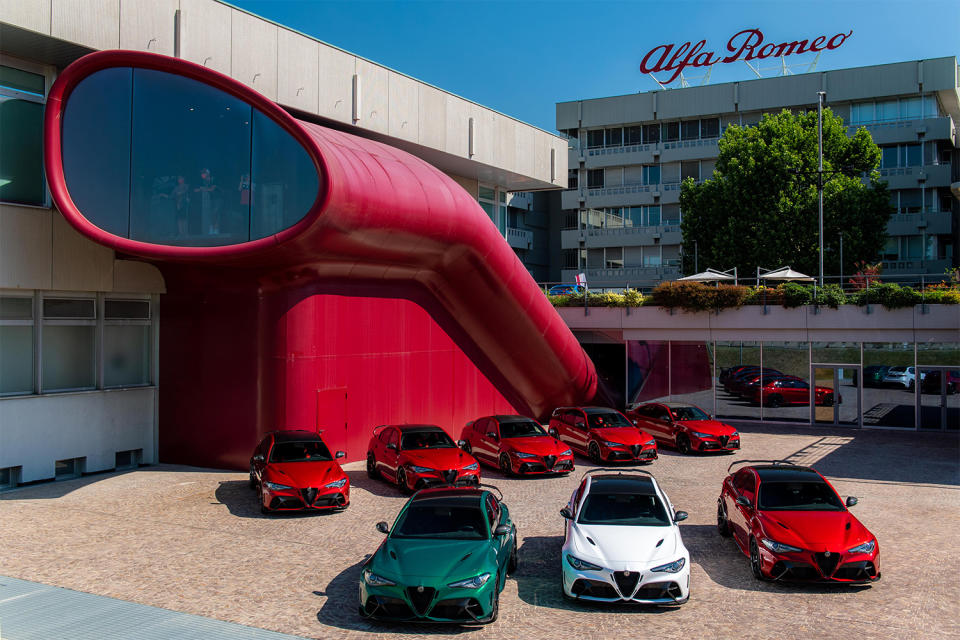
x: 614, y: 257
x: 69, y: 344
x: 901, y: 155
x: 594, y: 138
x: 710, y: 128
x: 614, y: 218
x: 651, y: 133
x: 570, y: 258
x: 671, y: 131
x: 573, y: 178
x: 690, y: 130
x: 912, y: 108
x: 70, y: 468
x: 690, y: 169
x: 16, y: 345
x: 615, y: 137
x: 22, y: 96
x: 633, y: 135
x: 595, y: 178
x: 126, y: 343
x: 651, y: 174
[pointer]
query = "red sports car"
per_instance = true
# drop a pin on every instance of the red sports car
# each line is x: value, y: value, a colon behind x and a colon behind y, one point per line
x: 604, y: 434
x: 293, y: 470
x: 415, y: 456
x: 793, y: 525
x: 685, y: 426
x: 516, y: 445
x: 777, y: 392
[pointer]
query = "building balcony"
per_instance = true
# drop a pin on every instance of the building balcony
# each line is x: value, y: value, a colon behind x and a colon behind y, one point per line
x: 520, y: 200
x: 519, y: 238
x: 908, y: 130
x: 630, y: 154
x: 911, y: 224
x: 665, y: 234
x: 634, y: 277
x: 914, y: 266
x: 931, y: 175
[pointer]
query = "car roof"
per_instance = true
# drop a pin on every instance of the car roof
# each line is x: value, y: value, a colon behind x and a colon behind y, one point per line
x: 617, y: 483
x: 502, y: 419
x: 787, y: 474
x: 296, y: 435
x: 677, y: 405
x: 453, y: 495
x: 596, y: 410
x: 417, y: 428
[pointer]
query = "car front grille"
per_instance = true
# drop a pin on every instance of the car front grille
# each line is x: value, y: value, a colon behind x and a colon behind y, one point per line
x: 636, y: 449
x: 450, y: 476
x: 594, y: 589
x: 421, y: 597
x: 309, y: 495
x: 549, y: 461
x: 626, y: 581
x: 723, y: 440
x: 827, y: 562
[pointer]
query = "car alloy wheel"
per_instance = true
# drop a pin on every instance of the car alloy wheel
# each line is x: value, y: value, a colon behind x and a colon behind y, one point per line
x: 594, y: 451
x: 372, y: 472
x: 683, y: 443
x: 774, y: 401
x: 723, y: 527
x: 755, y: 560
x: 402, y: 481
x: 505, y: 465
x: 495, y: 605
x: 253, y: 478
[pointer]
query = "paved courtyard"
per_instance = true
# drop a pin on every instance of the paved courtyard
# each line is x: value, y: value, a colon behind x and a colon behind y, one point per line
x: 193, y: 541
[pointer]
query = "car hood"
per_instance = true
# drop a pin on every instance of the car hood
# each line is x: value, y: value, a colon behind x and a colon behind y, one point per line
x: 623, y: 435
x: 713, y: 427
x: 815, y: 530
x: 618, y: 545
x: 440, y: 459
x: 537, y: 445
x: 303, y: 474
x: 427, y: 561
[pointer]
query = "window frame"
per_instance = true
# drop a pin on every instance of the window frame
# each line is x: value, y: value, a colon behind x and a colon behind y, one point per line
x: 105, y: 322
x: 32, y: 323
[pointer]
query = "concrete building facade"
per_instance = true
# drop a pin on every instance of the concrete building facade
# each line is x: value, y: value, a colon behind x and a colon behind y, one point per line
x: 628, y: 155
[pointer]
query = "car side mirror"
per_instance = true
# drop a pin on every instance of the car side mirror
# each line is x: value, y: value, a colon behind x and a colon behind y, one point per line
x: 680, y: 515
x: 492, y: 435
x: 636, y: 423
x: 258, y: 458
x: 566, y: 513
x: 501, y: 530
x: 851, y: 501
x: 553, y: 432
x: 340, y: 454
x: 383, y: 527
x: 462, y: 444
x: 392, y: 446
x: 744, y: 502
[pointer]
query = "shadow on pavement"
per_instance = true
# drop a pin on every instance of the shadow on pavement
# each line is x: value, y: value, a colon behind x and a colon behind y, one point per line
x: 380, y: 487
x: 341, y: 606
x: 241, y: 501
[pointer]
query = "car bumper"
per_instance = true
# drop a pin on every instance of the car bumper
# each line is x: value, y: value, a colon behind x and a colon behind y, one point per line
x: 716, y: 444
x: 807, y: 566
x: 451, y: 477
x: 541, y: 466
x: 401, y: 603
x: 306, y: 499
x: 603, y: 586
x: 648, y: 453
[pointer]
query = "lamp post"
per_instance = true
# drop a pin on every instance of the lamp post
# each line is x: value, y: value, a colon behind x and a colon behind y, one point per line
x: 820, y: 96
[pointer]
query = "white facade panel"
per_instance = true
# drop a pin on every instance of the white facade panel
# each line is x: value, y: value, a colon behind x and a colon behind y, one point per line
x: 254, y: 61
x: 298, y: 65
x: 457, y: 121
x: 404, y: 108
x: 433, y: 111
x: 336, y: 69
x: 92, y: 23
x: 28, y: 14
x: 25, y: 247
x: 36, y: 431
x: 78, y: 263
x: 205, y: 33
x: 148, y: 25
x: 374, y: 96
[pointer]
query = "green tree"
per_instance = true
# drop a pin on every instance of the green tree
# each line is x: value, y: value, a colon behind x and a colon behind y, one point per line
x: 760, y: 206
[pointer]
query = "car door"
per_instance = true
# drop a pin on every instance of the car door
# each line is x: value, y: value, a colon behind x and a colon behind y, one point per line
x: 260, y: 457
x: 488, y: 446
x: 661, y: 423
x: 579, y: 430
x: 738, y: 515
x: 390, y: 460
x: 644, y: 418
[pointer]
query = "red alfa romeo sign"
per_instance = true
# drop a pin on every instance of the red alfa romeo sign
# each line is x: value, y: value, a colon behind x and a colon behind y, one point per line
x: 745, y: 45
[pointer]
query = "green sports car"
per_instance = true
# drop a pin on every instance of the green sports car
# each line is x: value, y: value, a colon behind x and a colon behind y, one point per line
x: 445, y: 560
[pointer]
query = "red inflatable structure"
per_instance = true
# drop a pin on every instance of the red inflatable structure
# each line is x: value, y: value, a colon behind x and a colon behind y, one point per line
x: 393, y: 284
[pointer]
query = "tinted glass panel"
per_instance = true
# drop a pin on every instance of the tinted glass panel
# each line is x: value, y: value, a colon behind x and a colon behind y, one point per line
x: 96, y: 149
x: 68, y: 357
x: 16, y: 359
x: 16, y: 308
x: 126, y: 355
x: 21, y: 159
x: 68, y: 308
x: 286, y: 181
x: 20, y: 80
x: 126, y: 309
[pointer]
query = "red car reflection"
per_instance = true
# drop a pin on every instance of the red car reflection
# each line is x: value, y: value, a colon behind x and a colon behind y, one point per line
x: 603, y: 434
x: 685, y: 426
x: 293, y: 470
x: 777, y: 392
x: 415, y: 456
x: 516, y: 445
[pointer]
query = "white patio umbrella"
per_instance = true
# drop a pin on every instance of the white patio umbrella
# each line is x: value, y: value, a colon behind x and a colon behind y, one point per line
x: 786, y: 274
x: 710, y: 275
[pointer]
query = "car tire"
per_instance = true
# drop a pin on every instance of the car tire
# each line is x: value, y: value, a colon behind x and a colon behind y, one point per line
x: 512, y: 562
x: 372, y: 472
x: 911, y: 385
x: 723, y: 527
x: 504, y: 461
x: 253, y: 479
x: 594, y: 451
x: 683, y: 444
x: 264, y: 510
x: 775, y: 401
x: 402, y: 482
x: 755, y: 560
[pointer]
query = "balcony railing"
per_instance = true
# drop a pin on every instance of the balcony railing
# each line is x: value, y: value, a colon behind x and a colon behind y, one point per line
x: 519, y: 238
x: 650, y: 146
x: 631, y: 188
x: 673, y: 226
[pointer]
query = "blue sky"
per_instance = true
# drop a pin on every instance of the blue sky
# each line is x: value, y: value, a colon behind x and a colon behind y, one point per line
x: 521, y: 57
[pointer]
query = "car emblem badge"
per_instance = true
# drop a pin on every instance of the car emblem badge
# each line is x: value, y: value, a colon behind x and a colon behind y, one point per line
x: 420, y: 589
x: 826, y: 555
x: 626, y: 573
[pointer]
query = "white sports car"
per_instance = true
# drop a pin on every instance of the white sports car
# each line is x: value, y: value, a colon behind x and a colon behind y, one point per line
x: 622, y: 541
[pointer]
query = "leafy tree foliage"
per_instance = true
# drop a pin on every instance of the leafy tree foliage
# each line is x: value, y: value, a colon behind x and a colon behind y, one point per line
x: 760, y: 206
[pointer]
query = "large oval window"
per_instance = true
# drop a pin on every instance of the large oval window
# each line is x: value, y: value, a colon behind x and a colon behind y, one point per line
x: 160, y: 158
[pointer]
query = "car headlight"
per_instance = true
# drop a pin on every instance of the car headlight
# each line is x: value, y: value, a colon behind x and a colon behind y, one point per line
x: 275, y: 486
x: 568, y: 452
x: 778, y: 547
x: 651, y: 441
x: 470, y: 467
x: 417, y: 469
x: 700, y: 434
x: 607, y: 443
x: 374, y: 580
x: 672, y: 567
x: 866, y: 547
x: 336, y: 484
x: 520, y: 454
x: 471, y: 583
x: 735, y: 434
x: 581, y: 565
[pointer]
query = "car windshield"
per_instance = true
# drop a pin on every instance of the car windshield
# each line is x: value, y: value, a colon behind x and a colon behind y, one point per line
x: 623, y: 509
x: 690, y: 413
x: 604, y: 420
x: 433, y: 519
x: 897, y: 369
x: 426, y: 440
x: 797, y: 496
x: 525, y: 429
x: 309, y: 451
